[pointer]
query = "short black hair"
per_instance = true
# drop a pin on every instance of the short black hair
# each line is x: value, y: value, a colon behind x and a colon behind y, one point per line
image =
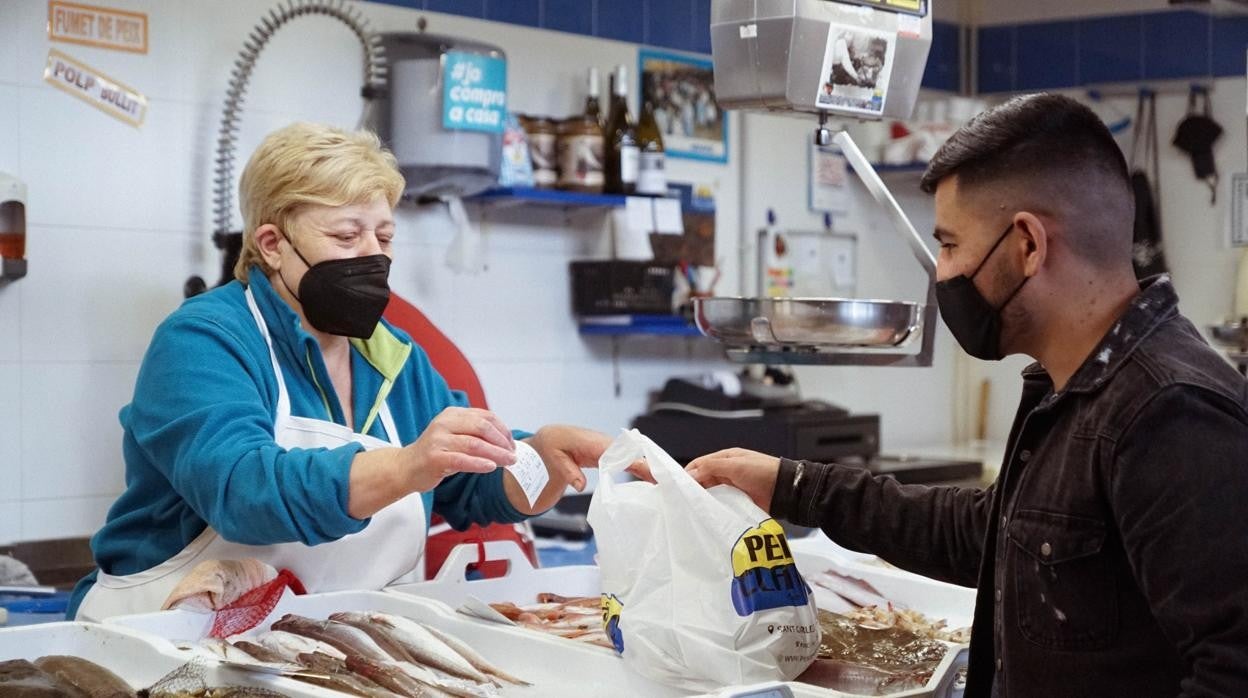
x: 1028, y: 133
x: 1057, y: 153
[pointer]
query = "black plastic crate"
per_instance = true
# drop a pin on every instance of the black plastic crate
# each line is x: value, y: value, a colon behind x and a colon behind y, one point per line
x: 619, y: 288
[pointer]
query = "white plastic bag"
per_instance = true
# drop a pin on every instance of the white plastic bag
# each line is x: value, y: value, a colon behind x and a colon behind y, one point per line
x: 699, y: 589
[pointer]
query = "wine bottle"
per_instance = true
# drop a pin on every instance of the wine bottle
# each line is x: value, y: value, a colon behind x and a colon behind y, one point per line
x: 621, y: 151
x: 651, y: 172
x: 593, y: 108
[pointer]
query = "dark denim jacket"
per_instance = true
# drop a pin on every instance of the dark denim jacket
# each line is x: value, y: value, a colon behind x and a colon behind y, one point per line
x: 1111, y: 554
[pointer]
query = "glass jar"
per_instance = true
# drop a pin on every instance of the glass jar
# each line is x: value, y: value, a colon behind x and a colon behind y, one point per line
x: 543, y: 138
x: 580, y: 154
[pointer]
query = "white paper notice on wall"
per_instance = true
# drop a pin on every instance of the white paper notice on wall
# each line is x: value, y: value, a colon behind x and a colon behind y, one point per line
x: 667, y: 217
x: 829, y: 186
x: 530, y: 472
x: 1239, y: 209
x: 101, y: 27
x: 631, y: 232
x: 95, y: 88
x: 640, y: 213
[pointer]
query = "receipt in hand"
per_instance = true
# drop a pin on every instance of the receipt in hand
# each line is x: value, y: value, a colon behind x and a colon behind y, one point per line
x: 529, y: 471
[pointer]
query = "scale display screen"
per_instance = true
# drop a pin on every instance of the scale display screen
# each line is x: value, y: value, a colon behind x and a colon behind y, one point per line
x: 912, y: 7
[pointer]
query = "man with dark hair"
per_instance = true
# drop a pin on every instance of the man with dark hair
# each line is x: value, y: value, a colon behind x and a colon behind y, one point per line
x: 1110, y: 555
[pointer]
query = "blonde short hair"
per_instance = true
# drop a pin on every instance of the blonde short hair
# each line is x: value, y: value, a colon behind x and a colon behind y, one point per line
x: 309, y: 164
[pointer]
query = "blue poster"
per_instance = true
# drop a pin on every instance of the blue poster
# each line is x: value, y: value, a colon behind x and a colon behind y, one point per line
x: 474, y: 92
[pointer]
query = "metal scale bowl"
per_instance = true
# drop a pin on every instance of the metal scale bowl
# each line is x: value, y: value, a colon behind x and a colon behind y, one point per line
x: 830, y: 331
x: 763, y: 61
x: 808, y: 326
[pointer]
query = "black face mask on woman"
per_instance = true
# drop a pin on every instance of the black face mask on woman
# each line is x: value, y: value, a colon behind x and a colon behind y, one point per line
x: 970, y: 317
x: 344, y: 297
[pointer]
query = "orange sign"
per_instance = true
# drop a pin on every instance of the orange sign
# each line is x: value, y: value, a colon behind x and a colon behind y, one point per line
x: 95, y: 88
x: 103, y: 27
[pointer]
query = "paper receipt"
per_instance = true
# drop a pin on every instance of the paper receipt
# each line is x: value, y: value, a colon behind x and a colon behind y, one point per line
x: 529, y: 471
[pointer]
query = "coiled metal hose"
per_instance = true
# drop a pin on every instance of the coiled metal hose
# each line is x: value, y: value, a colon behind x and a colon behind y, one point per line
x: 235, y: 94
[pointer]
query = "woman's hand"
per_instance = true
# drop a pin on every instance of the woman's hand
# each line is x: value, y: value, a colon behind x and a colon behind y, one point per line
x: 458, y: 440
x: 565, y: 450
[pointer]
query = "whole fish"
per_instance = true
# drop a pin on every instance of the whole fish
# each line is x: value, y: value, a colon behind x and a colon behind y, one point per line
x: 21, y: 679
x: 445, y: 683
x: 380, y: 635
x: 347, y: 639
x: 290, y: 645
x: 391, y: 678
x: 233, y: 654
x: 333, y: 674
x: 593, y: 602
x: 223, y: 692
x: 474, y: 658
x: 852, y: 589
x: 91, y: 679
x: 427, y: 648
x: 828, y: 600
x: 227, y: 651
x: 260, y: 652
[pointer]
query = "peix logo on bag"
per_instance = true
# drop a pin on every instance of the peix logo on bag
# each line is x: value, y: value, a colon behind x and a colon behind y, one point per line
x: 764, y: 573
x: 611, y: 610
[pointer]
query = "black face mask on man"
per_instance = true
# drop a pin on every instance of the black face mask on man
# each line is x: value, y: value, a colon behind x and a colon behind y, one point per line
x: 970, y: 317
x: 344, y: 297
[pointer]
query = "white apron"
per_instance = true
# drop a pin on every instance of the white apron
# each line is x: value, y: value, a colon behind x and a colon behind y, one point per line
x: 388, y: 549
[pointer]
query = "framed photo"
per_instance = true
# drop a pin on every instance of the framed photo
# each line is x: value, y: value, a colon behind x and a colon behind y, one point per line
x: 682, y: 90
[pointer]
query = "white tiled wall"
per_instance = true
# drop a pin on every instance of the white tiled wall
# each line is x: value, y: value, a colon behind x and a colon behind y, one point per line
x: 119, y: 217
x: 10, y: 439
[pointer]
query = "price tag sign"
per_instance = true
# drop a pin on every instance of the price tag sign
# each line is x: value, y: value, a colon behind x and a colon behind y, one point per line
x: 474, y: 92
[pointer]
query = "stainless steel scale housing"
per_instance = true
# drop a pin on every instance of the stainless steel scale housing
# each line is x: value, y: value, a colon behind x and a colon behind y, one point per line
x: 772, y: 55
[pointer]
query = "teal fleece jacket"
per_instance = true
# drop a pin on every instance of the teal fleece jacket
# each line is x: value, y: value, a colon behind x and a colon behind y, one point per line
x: 199, y: 445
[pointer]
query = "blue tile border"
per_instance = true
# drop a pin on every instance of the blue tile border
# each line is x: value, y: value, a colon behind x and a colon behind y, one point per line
x: 572, y: 16
x: 1230, y: 44
x: 1177, y: 45
x: 1046, y: 55
x: 1125, y: 48
x: 995, y: 70
x: 526, y: 13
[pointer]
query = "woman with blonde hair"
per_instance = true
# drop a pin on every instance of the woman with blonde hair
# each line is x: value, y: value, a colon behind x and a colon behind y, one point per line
x: 279, y: 418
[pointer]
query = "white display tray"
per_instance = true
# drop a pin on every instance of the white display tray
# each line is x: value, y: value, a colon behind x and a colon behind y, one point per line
x: 554, y: 667
x: 520, y: 585
x: 523, y: 583
x: 139, y: 659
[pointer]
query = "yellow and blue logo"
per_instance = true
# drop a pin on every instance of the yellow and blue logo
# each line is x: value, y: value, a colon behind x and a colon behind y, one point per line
x: 611, y: 610
x: 764, y: 573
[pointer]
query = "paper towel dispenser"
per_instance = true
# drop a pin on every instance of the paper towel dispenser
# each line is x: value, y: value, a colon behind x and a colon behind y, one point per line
x: 859, y: 58
x: 443, y: 112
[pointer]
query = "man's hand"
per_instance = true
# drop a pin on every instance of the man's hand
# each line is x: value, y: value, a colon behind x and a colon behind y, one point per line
x: 751, y: 472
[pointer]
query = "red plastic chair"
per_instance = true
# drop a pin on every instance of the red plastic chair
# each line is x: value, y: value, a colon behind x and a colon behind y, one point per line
x: 451, y: 363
